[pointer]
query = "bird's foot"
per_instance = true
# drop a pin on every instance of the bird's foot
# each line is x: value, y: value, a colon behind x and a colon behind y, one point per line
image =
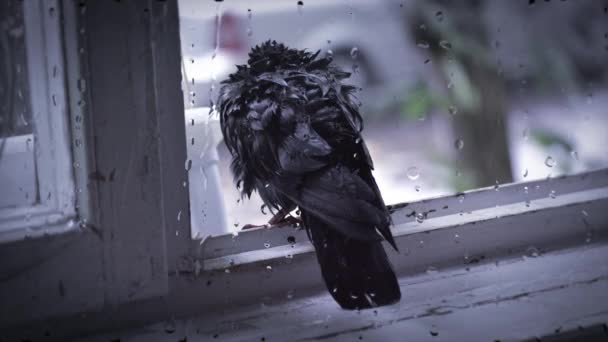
x: 281, y: 219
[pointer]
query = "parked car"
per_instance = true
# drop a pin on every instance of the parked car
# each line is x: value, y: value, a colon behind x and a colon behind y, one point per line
x: 347, y: 30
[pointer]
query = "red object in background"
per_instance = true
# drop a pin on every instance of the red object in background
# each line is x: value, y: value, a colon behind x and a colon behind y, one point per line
x: 231, y: 37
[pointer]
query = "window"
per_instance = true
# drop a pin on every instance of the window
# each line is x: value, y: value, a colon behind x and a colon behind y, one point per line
x: 157, y: 208
x: 36, y: 172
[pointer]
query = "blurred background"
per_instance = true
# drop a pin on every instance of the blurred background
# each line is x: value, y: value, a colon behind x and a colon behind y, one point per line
x: 455, y: 95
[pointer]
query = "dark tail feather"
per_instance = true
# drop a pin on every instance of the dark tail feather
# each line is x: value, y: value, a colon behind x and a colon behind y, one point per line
x: 357, y: 273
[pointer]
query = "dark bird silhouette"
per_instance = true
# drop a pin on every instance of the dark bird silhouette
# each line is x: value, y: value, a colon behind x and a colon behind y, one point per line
x: 294, y: 132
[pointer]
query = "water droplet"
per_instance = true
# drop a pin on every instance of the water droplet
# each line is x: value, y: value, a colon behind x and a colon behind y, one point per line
x: 300, y: 7
x: 262, y: 207
x: 290, y: 294
x: 335, y: 290
x: 549, y: 161
x: 431, y: 270
x: 249, y: 32
x: 439, y: 16
x: 179, y: 216
x: 354, y: 52
x: 433, y: 333
x: 552, y: 194
x: 412, y: 173
x: 289, y: 256
x: 459, y: 144
x: 574, y: 155
x: 267, y: 185
x: 584, y: 212
x: 353, y: 296
x: 269, y: 268
x: 525, y: 133
x: 456, y: 238
x: 188, y: 164
x: 420, y: 217
x: 525, y: 189
x: 227, y: 271
x: 453, y: 110
x: 445, y: 44
x: 266, y: 245
x: 423, y: 45
x: 532, y: 252
x: 525, y: 174
x: 417, y: 188
x: 461, y: 198
x: 236, y: 224
x: 170, y: 326
x: 527, y: 203
x: 356, y: 69
x: 497, y: 186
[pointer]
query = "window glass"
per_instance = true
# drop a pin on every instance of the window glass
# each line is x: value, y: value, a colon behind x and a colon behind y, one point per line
x: 17, y: 171
x: 455, y: 95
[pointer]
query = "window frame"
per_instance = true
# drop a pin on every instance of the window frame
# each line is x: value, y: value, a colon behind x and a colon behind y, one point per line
x: 55, y: 205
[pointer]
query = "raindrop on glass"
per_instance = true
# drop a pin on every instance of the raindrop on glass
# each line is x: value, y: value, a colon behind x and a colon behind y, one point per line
x: 423, y: 45
x: 266, y: 245
x: 420, y: 217
x: 497, y: 186
x: 354, y: 52
x: 249, y: 32
x: 179, y: 216
x: 459, y: 144
x: 439, y: 16
x: 532, y: 252
x: 461, y: 198
x: 574, y: 155
x: 262, y: 207
x: 417, y: 188
x: 453, y: 110
x: 269, y: 268
x: 170, y: 327
x: 431, y: 270
x: 445, y: 44
x: 525, y: 133
x: 300, y: 7
x: 552, y: 194
x: 549, y: 161
x: 525, y: 174
x: 412, y: 173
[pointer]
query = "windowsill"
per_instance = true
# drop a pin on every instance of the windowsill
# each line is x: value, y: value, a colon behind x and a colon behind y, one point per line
x: 512, y: 299
x: 461, y: 216
x: 450, y: 266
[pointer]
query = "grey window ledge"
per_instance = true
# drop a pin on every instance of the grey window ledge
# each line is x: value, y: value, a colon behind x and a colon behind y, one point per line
x: 484, y: 264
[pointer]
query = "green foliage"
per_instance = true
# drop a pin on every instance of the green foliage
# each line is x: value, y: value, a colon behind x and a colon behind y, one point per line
x: 417, y: 102
x: 548, y: 138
